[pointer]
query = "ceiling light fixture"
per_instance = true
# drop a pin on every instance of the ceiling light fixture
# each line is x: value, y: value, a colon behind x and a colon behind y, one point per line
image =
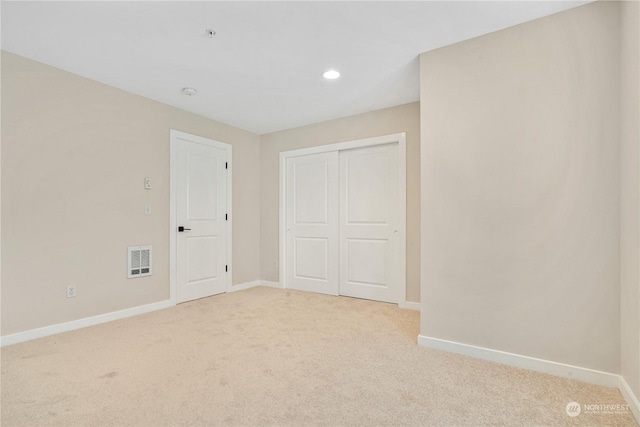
x: 331, y: 74
x: 189, y: 91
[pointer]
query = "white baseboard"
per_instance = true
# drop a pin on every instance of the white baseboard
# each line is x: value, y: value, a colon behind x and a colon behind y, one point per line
x: 253, y: 284
x: 519, y: 361
x: 408, y: 305
x: 632, y: 399
x: 539, y: 365
x: 243, y: 286
x: 81, y: 323
x: 108, y: 317
x: 271, y: 284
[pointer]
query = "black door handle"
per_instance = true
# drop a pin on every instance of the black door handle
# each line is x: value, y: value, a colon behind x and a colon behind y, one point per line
x: 181, y: 229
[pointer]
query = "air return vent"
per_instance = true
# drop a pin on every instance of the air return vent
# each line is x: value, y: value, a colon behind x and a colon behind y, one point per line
x: 139, y: 261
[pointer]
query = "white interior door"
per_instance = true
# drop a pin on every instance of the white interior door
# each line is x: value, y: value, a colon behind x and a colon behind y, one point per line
x: 312, y: 247
x: 201, y: 228
x: 369, y: 223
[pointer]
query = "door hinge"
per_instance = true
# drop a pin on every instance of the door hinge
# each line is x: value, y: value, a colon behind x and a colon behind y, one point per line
x: 226, y: 268
x: 226, y: 217
x: 226, y: 165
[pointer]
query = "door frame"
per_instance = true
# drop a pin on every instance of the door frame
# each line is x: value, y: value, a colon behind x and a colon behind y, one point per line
x: 400, y: 139
x: 174, y: 137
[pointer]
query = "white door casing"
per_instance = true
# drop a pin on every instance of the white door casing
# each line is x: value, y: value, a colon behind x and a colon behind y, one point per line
x: 369, y: 233
x: 200, y: 200
x: 386, y: 237
x: 312, y: 223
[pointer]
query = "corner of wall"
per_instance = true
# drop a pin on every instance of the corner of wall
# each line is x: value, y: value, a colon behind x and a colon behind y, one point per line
x: 630, y: 199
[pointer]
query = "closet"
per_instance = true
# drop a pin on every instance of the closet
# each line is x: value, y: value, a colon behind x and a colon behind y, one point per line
x: 344, y: 218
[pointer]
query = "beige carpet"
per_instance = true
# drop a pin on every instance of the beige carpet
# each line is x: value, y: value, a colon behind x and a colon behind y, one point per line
x: 275, y: 357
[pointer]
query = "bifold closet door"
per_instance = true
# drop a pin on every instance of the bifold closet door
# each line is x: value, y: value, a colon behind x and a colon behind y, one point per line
x: 369, y: 219
x: 312, y: 214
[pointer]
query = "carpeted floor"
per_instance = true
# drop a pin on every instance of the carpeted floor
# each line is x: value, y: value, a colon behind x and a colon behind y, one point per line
x: 265, y: 357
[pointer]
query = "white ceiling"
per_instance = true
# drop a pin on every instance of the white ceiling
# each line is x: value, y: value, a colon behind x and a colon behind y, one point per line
x: 262, y: 71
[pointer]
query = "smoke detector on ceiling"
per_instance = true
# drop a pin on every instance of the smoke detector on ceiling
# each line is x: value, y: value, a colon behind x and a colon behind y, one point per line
x: 189, y: 91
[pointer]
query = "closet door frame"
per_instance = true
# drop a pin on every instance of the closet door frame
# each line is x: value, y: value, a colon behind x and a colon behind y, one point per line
x: 400, y: 139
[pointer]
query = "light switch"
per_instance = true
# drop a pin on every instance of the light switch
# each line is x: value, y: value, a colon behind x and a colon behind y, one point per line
x: 147, y: 183
x: 147, y: 209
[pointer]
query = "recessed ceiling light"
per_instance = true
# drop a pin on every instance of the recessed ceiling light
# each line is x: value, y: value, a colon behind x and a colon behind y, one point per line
x: 189, y: 91
x: 331, y: 74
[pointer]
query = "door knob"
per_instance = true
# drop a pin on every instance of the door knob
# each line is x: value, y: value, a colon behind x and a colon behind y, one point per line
x: 181, y: 229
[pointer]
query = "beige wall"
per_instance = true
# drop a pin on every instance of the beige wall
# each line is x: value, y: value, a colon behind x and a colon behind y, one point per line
x: 74, y: 155
x: 404, y: 118
x: 520, y: 189
x: 630, y: 194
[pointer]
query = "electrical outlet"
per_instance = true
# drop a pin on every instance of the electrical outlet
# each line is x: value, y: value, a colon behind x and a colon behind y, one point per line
x: 274, y: 264
x: 71, y: 291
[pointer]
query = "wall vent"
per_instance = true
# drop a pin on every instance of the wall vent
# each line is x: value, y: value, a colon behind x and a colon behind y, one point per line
x: 139, y: 261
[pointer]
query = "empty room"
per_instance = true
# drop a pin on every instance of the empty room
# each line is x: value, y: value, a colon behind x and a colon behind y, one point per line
x: 337, y: 213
